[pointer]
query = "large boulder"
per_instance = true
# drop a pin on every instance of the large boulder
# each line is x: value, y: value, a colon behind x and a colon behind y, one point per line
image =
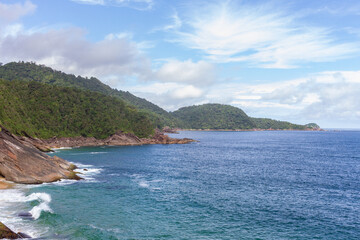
x: 23, y: 163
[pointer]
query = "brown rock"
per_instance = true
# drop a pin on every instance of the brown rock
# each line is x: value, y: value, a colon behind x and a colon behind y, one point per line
x: 24, y: 163
x: 5, y: 232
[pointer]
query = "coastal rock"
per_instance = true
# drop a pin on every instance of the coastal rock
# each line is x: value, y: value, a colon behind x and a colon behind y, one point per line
x: 168, y: 129
x: 6, y: 233
x: 117, y: 139
x: 21, y: 162
x: 161, y: 138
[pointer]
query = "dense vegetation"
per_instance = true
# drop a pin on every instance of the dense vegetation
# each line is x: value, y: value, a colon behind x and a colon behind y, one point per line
x: 213, y: 116
x: 95, y: 113
x: 40, y: 110
x: 266, y: 123
x: 218, y: 116
x: 25, y: 71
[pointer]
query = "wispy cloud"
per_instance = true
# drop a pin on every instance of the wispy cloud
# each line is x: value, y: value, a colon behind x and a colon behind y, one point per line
x: 260, y: 35
x: 135, y: 4
x: 175, y: 24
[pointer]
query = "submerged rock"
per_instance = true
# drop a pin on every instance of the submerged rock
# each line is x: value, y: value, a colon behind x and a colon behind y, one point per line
x: 25, y: 215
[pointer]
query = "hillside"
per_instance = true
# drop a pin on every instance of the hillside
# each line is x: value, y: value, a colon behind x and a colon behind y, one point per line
x: 213, y: 116
x: 208, y: 116
x: 45, y: 111
x: 267, y: 123
x: 218, y: 116
x: 25, y: 71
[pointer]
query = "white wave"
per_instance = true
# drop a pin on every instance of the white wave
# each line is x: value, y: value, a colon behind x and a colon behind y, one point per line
x: 63, y: 182
x: 44, y: 200
x: 97, y: 152
x: 142, y: 181
x: 37, y: 210
x: 144, y: 184
x: 12, y: 202
x: 39, y: 196
x: 87, y: 172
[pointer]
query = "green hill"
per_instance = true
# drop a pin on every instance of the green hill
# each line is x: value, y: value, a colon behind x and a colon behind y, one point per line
x: 267, y: 123
x: 208, y: 116
x: 25, y: 71
x: 218, y: 116
x: 213, y: 116
x: 44, y: 111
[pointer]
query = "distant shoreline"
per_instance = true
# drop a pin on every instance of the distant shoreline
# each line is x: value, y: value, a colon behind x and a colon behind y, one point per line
x: 252, y: 130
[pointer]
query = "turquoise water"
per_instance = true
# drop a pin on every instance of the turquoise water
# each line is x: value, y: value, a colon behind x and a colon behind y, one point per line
x: 230, y: 185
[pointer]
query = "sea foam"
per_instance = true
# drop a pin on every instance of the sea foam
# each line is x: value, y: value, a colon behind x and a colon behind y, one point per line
x: 13, y: 202
x: 44, y: 200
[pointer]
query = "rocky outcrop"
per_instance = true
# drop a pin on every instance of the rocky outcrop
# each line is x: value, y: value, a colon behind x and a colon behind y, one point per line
x: 168, y: 129
x: 21, y: 162
x: 160, y: 138
x: 118, y: 139
x: 6, y: 233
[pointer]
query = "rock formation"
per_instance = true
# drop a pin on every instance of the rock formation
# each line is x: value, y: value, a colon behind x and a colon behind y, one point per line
x: 6, y: 233
x: 118, y: 139
x: 21, y: 162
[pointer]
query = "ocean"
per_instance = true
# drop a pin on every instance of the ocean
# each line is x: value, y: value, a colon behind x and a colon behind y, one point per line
x: 229, y: 185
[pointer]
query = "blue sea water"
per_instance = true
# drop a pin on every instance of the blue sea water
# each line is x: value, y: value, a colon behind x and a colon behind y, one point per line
x: 229, y: 185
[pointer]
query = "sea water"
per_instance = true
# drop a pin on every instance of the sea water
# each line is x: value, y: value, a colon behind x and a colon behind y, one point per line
x: 229, y: 185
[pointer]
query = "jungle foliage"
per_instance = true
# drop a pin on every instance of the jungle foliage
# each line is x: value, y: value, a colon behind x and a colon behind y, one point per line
x: 30, y: 71
x: 44, y: 111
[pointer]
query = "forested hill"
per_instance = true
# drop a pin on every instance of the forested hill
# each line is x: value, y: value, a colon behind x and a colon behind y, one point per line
x: 267, y: 123
x: 213, y: 116
x: 218, y: 116
x: 45, y: 111
x: 25, y: 71
x: 208, y: 116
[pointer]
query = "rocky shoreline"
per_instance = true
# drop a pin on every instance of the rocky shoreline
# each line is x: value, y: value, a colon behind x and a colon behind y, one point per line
x: 251, y: 130
x: 21, y: 162
x: 22, y: 159
x: 118, y: 139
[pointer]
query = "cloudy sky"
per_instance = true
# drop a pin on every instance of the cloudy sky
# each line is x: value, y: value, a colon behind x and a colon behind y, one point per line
x: 289, y: 60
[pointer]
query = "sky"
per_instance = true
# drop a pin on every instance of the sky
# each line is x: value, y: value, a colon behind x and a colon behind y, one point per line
x: 297, y: 61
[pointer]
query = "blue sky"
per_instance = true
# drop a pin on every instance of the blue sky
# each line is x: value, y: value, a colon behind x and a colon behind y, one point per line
x: 289, y: 60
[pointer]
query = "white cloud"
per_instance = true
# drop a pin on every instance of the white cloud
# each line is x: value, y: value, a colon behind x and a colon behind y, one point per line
x: 187, y: 92
x: 135, y: 4
x: 195, y: 73
x: 328, y: 97
x: 170, y: 95
x: 69, y: 51
x: 261, y: 35
x: 12, y: 12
